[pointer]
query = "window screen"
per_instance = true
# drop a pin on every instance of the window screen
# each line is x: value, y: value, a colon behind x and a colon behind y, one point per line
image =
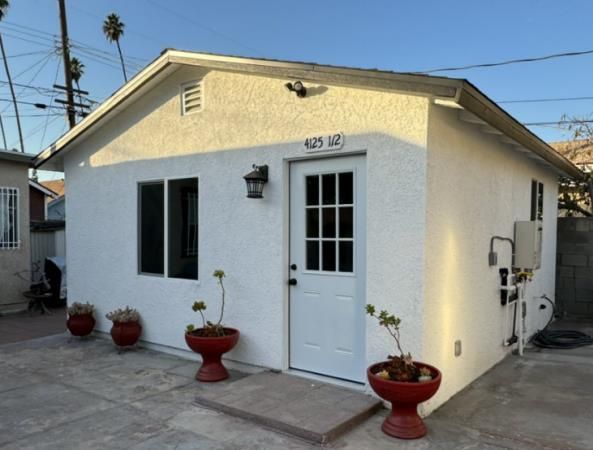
x: 183, y: 228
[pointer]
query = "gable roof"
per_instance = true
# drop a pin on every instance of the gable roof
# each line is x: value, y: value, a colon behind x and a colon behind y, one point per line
x: 454, y: 92
x: 41, y: 188
x: 57, y: 186
x: 16, y: 157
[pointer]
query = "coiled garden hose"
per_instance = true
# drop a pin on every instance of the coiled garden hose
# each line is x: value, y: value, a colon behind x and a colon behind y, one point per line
x: 560, y: 339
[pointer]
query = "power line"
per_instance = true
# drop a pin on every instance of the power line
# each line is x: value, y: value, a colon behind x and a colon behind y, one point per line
x: 37, y: 105
x: 204, y: 27
x: 55, y: 47
x: 38, y: 128
x: 40, y: 90
x: 33, y: 115
x: 83, y: 53
x: 42, y: 44
x: 508, y: 62
x: 557, y: 122
x: 43, y: 63
x: 54, y: 38
x: 20, y: 55
x: 545, y: 100
x: 53, y: 96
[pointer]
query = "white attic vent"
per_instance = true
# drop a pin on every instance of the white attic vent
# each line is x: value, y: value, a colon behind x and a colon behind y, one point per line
x: 192, y: 97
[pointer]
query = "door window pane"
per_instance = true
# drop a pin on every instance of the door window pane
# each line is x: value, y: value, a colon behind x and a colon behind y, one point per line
x: 312, y: 188
x: 183, y: 228
x: 346, y: 256
x: 151, y: 228
x: 346, y: 188
x: 328, y: 255
x: 312, y: 222
x: 346, y: 222
x: 329, y: 222
x: 328, y: 189
x: 312, y: 255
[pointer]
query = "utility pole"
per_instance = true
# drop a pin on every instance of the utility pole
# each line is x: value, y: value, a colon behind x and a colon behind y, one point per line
x: 16, y: 108
x: 67, y: 72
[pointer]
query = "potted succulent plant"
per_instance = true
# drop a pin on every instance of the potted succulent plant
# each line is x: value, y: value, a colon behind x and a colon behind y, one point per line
x: 211, y: 340
x: 403, y: 382
x: 80, y: 320
x: 126, y: 327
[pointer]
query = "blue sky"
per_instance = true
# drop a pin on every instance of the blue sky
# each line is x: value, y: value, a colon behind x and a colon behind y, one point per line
x: 391, y: 35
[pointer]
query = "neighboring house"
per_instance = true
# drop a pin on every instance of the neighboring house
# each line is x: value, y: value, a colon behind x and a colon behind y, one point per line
x: 14, y: 229
x: 580, y: 152
x: 383, y: 188
x: 56, y: 208
x: 57, y: 186
x: 39, y: 198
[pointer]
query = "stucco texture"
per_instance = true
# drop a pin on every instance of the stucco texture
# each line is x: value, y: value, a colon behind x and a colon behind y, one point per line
x: 477, y: 187
x: 15, y: 175
x: 246, y: 119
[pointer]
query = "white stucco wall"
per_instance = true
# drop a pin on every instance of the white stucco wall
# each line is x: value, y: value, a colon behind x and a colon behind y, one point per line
x: 477, y: 188
x: 247, y: 119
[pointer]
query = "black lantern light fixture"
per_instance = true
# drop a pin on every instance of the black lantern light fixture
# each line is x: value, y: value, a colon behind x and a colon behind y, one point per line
x: 255, y: 181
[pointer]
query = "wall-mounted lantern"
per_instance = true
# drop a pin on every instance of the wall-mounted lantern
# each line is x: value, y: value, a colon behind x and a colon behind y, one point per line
x: 255, y: 181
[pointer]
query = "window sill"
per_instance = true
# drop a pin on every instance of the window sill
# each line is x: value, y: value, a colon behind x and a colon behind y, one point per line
x: 145, y: 276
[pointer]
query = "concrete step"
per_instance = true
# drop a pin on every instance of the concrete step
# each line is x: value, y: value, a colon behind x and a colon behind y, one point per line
x: 311, y: 410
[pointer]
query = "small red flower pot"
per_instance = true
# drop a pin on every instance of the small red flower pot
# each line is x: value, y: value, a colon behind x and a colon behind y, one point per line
x: 80, y: 324
x: 212, y: 349
x: 404, y: 421
x: 125, y: 334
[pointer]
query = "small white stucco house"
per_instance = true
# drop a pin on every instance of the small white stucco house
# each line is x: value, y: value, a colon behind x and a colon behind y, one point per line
x: 383, y: 188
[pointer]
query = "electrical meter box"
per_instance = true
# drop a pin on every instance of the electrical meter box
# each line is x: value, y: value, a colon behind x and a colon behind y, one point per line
x: 528, y: 245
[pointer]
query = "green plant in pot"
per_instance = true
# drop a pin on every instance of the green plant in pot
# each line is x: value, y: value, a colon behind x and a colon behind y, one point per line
x: 402, y: 381
x: 212, y: 339
x: 81, y: 320
x: 126, y: 327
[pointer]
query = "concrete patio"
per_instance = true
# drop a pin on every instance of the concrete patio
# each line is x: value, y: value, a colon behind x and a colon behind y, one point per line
x: 24, y: 325
x: 57, y: 392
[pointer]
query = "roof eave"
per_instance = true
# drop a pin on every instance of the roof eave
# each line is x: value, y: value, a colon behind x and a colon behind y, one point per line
x: 46, y: 156
x: 450, y: 89
x: 16, y: 157
x: 474, y: 101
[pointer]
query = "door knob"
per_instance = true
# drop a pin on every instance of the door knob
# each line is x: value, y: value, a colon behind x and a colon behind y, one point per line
x: 293, y: 267
x: 292, y: 282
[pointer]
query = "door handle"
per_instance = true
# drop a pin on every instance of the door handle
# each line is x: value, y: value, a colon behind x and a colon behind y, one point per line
x: 292, y: 282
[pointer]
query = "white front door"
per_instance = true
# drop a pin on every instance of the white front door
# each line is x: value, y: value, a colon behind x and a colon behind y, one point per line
x: 328, y: 266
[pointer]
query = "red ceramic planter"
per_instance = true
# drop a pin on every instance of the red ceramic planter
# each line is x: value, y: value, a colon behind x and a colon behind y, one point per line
x: 125, y: 334
x: 212, y: 349
x: 404, y: 421
x: 80, y: 324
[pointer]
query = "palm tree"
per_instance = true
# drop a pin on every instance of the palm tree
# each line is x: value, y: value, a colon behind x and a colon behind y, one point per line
x: 77, y: 71
x: 113, y: 28
x: 4, y: 5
